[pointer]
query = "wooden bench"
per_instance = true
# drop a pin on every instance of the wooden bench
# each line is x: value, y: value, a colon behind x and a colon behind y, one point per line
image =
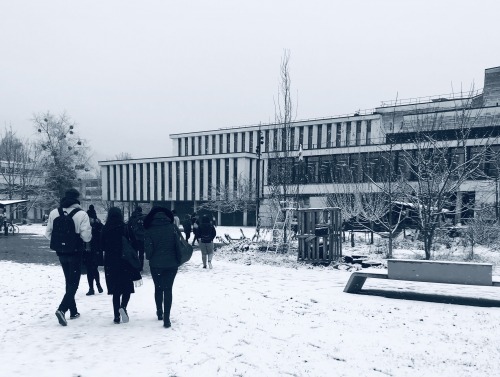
x: 427, y: 271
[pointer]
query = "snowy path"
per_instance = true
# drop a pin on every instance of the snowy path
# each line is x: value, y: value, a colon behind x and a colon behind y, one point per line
x: 238, y: 320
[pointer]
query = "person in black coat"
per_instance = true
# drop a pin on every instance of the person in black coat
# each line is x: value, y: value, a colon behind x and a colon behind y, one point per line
x: 94, y: 258
x: 195, y: 225
x: 186, y: 224
x: 120, y: 275
x: 164, y: 258
x: 206, y: 234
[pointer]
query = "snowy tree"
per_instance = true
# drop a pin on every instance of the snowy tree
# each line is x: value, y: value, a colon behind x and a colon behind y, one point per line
x: 445, y: 151
x: 64, y: 152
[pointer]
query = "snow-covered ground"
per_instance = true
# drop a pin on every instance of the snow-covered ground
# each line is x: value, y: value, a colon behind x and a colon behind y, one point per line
x: 247, y: 319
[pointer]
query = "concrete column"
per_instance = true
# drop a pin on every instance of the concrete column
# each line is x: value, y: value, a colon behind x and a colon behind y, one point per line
x: 131, y: 182
x: 126, y: 179
x: 151, y: 181
x: 104, y: 182
x: 118, y: 179
x: 230, y: 179
x: 197, y: 189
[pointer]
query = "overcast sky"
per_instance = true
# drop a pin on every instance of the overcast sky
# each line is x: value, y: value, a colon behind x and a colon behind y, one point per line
x: 130, y: 73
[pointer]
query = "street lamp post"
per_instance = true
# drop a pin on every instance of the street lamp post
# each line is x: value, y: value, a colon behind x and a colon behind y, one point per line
x: 258, y: 150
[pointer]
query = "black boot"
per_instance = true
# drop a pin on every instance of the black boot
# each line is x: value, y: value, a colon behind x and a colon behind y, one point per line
x: 90, y: 292
x: 159, y: 313
x: 99, y: 288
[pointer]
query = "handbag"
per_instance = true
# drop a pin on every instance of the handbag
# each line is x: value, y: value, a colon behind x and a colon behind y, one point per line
x: 185, y: 248
x: 129, y: 254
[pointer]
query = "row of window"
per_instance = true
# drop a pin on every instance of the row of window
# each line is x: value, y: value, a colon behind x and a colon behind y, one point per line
x: 142, y: 175
x: 279, y: 139
x: 376, y: 166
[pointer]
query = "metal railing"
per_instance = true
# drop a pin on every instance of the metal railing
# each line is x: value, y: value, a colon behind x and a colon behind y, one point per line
x: 433, y: 98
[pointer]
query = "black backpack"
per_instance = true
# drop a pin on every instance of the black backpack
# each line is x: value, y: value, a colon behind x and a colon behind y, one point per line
x: 64, y: 239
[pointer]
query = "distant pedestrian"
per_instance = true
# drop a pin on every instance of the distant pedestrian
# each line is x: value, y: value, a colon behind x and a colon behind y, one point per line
x: 94, y: 257
x: 164, y: 258
x: 177, y: 221
x: 120, y: 274
x: 68, y: 228
x: 207, y: 234
x: 186, y: 224
x: 136, y: 232
x: 195, y: 224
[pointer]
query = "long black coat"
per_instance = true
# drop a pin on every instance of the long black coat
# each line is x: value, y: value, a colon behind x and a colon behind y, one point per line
x: 119, y: 274
x: 159, y: 243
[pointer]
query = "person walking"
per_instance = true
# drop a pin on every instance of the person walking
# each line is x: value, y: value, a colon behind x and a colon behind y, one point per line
x: 69, y: 232
x: 164, y: 258
x: 195, y: 225
x: 186, y: 224
x: 120, y: 275
x: 177, y: 221
x: 94, y: 257
x: 136, y: 232
x: 207, y: 234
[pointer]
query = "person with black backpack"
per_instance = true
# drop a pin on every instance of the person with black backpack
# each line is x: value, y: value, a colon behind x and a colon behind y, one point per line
x: 206, y: 234
x: 69, y: 232
x: 136, y: 232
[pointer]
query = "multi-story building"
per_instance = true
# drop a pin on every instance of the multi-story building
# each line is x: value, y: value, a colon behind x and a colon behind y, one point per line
x: 329, y: 146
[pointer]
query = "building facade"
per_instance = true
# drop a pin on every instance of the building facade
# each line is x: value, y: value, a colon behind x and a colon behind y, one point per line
x: 205, y: 160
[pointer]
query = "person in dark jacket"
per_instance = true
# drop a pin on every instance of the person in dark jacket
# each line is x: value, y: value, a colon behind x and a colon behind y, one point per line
x: 136, y: 232
x: 206, y: 234
x: 195, y: 225
x: 164, y: 258
x: 94, y: 258
x: 120, y: 275
x: 186, y: 224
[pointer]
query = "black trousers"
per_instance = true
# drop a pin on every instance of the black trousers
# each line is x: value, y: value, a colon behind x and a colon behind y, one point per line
x: 164, y: 280
x: 139, y: 245
x: 72, y: 268
x: 93, y: 274
x: 120, y: 300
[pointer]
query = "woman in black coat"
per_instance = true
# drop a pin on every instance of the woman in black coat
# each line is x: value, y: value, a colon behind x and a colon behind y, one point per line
x: 164, y: 258
x: 120, y: 275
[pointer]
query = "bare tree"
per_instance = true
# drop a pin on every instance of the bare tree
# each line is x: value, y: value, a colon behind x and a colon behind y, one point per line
x: 21, y: 170
x: 281, y: 158
x: 63, y: 153
x: 445, y: 152
x: 123, y: 156
x: 228, y: 199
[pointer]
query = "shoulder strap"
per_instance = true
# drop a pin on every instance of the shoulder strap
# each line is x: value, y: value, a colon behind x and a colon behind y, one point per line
x: 72, y: 213
x: 60, y: 210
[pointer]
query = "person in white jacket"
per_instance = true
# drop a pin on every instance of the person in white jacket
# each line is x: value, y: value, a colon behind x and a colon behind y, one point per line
x: 71, y: 261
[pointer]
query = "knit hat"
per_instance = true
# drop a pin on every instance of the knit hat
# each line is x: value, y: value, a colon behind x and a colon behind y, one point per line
x: 91, y: 212
x: 72, y: 194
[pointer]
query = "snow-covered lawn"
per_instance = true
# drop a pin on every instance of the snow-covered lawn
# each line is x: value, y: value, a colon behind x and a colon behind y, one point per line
x: 247, y: 320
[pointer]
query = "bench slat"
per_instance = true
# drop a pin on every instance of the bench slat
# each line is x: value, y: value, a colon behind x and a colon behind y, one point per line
x: 440, y: 271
